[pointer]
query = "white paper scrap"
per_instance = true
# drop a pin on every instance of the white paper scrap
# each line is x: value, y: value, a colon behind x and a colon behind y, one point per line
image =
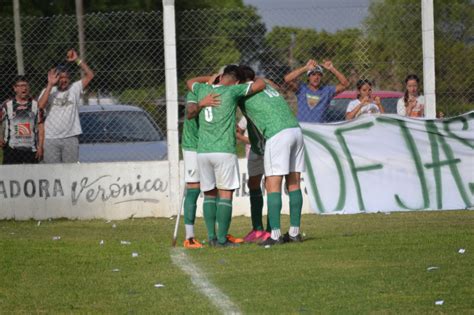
x: 125, y: 242
x: 439, y: 302
x: 267, y: 246
x: 461, y: 251
x: 134, y: 254
x: 56, y: 238
x: 101, y: 242
x: 159, y: 285
x: 115, y: 270
x: 432, y: 268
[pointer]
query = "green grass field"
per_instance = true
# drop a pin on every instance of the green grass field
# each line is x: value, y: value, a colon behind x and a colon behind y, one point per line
x: 370, y: 263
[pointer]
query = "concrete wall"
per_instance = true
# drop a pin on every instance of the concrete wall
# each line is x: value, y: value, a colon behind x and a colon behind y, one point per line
x: 111, y: 191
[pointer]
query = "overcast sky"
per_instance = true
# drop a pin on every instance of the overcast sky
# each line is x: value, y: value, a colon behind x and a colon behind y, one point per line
x: 330, y: 15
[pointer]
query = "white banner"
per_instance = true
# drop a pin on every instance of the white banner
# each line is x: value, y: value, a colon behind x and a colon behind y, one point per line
x: 390, y: 163
x: 110, y: 191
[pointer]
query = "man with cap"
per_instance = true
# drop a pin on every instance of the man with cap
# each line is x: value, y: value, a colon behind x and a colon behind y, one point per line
x: 61, y: 100
x: 313, y: 97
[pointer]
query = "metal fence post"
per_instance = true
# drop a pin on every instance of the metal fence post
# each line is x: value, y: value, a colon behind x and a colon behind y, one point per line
x: 169, y: 33
x: 18, y: 42
x: 427, y: 28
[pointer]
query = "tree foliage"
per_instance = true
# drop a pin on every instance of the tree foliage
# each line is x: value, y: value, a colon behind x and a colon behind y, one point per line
x: 394, y: 31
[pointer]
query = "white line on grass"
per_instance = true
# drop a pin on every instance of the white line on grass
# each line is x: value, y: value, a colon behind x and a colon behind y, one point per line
x: 200, y: 281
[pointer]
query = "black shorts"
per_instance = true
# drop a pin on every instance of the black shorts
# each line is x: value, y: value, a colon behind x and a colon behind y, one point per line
x: 18, y: 156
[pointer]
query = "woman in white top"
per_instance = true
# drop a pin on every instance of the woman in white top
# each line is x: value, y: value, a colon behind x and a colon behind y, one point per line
x: 412, y: 104
x: 365, y: 104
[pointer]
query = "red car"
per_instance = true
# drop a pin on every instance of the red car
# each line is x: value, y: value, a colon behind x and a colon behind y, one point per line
x: 338, y: 106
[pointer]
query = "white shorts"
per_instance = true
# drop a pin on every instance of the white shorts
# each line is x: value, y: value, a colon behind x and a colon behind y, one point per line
x: 255, y: 165
x: 191, y: 168
x: 284, y: 153
x: 218, y: 170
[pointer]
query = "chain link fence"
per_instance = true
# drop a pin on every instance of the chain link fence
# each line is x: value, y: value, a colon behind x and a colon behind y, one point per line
x: 125, y: 51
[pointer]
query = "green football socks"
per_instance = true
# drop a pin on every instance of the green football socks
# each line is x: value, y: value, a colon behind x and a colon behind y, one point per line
x: 210, y: 212
x: 192, y: 194
x: 224, y: 217
x: 274, y: 209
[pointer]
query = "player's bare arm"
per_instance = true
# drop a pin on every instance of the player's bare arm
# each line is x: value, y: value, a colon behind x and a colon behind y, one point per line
x: 190, y: 82
x: 291, y: 77
x: 2, y: 141
x: 53, y: 78
x: 257, y: 86
x: 40, y: 146
x: 343, y: 82
x: 193, y: 109
x: 378, y: 102
x: 88, y: 74
x: 273, y: 84
x: 240, y: 135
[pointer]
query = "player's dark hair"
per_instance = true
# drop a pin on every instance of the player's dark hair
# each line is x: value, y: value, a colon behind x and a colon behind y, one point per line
x: 63, y: 69
x: 247, y: 73
x: 234, y: 71
x: 361, y: 83
x: 19, y: 78
x: 408, y: 78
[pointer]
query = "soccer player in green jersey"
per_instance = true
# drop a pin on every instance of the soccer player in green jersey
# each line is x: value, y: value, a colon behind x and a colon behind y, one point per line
x: 189, y: 142
x: 283, y: 157
x: 255, y: 169
x: 217, y: 159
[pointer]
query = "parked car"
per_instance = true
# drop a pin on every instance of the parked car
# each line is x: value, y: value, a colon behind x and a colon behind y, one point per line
x: 119, y: 133
x: 337, y: 108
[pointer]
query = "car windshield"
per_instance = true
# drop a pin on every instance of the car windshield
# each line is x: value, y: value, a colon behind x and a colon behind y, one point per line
x: 117, y: 126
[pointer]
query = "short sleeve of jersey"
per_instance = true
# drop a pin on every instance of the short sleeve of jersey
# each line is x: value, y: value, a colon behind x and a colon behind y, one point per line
x: 300, y: 87
x: 241, y: 89
x: 77, y: 87
x: 191, y: 98
x: 331, y: 90
x: 352, y: 104
x: 196, y: 87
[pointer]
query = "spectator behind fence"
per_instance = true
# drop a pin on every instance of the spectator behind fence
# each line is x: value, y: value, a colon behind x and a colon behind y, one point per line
x: 365, y: 104
x: 62, y: 125
x: 412, y: 104
x: 22, y: 134
x: 314, y: 97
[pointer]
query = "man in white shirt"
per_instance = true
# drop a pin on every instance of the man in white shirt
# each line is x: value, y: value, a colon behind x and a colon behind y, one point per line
x: 62, y: 125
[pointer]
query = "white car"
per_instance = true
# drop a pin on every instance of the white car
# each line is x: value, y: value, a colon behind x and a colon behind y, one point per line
x: 112, y: 133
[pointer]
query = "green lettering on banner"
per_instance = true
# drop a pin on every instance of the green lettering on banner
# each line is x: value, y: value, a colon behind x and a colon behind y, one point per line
x: 342, y: 182
x: 465, y: 126
x: 415, y: 154
x: 436, y: 138
x: 353, y: 167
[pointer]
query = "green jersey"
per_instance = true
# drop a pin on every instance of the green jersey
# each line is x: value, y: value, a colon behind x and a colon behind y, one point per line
x: 257, y: 141
x: 189, y: 141
x: 217, y: 124
x: 269, y: 112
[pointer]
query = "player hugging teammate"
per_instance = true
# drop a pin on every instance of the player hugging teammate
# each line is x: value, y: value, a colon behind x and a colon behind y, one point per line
x: 211, y: 163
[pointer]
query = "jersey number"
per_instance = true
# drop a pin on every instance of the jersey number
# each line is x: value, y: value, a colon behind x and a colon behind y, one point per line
x: 271, y: 92
x: 208, y: 114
